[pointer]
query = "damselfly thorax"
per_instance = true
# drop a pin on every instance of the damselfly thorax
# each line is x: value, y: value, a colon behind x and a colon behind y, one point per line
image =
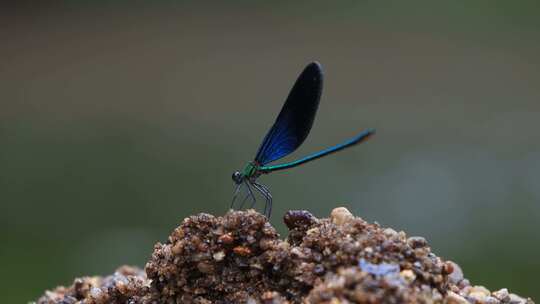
x: 248, y: 179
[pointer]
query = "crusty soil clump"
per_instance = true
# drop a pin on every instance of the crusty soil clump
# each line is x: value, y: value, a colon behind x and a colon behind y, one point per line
x: 126, y: 285
x: 239, y: 258
x: 218, y: 259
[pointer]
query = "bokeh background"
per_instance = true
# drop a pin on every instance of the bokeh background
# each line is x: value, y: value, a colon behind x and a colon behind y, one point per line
x: 120, y: 118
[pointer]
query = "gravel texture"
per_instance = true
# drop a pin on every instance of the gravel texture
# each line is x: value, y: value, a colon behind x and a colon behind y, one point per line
x: 239, y: 258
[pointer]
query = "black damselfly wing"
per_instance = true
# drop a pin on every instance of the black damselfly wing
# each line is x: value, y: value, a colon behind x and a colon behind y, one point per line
x: 295, y: 120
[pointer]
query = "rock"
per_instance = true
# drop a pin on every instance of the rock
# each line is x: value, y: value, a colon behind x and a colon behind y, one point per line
x: 341, y: 216
x: 218, y: 256
x: 515, y: 299
x: 242, y: 250
x: 417, y: 242
x: 205, y: 267
x: 454, y: 298
x: 478, y: 293
x: 456, y: 276
x: 299, y: 219
x: 491, y: 300
x: 448, y: 267
x: 408, y: 275
x: 480, y: 290
x: 502, y: 294
x: 226, y: 238
x: 389, y: 232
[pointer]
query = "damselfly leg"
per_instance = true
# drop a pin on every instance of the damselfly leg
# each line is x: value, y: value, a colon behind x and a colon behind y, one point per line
x: 235, y: 195
x: 249, y: 194
x: 263, y: 190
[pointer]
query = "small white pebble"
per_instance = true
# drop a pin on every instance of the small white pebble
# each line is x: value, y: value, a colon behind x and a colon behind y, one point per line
x: 402, y: 235
x: 218, y: 256
x: 98, y: 296
x: 502, y: 295
x: 515, y: 299
x: 480, y: 290
x: 121, y: 286
x: 341, y: 216
x: 312, y: 232
x: 477, y: 296
x: 295, y: 251
x: 389, y: 232
x: 454, y: 298
x: 256, y: 266
x: 336, y: 283
x: 95, y: 292
x: 408, y: 275
x: 327, y: 251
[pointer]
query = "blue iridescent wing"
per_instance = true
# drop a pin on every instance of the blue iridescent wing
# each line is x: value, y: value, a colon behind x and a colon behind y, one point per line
x: 363, y: 136
x: 294, y: 122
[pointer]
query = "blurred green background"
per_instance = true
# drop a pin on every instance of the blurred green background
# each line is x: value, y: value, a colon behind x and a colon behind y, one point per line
x: 119, y: 119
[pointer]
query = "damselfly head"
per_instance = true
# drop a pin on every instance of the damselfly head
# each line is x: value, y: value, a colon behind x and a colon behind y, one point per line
x: 237, y: 177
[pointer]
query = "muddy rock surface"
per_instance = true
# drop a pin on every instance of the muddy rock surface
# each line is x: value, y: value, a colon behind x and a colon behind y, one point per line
x: 239, y: 258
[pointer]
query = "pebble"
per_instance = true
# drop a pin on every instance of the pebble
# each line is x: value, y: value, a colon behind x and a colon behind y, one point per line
x: 389, y: 232
x: 480, y: 290
x: 448, y: 267
x: 297, y: 252
x: 436, y: 296
x: 341, y: 216
x: 336, y: 283
x: 242, y: 250
x: 464, y: 283
x: 226, y: 238
x: 454, y: 298
x: 456, y: 275
x: 218, y: 256
x: 515, y: 299
x: 416, y: 242
x: 299, y: 219
x: 381, y: 269
x: 408, y: 275
x: 502, y: 295
x: 491, y: 300
x: 121, y: 286
x: 178, y: 248
x: 98, y: 296
x: 205, y: 267
x: 478, y: 294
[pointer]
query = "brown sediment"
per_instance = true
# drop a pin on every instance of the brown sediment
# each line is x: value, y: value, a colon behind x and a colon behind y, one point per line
x: 239, y: 258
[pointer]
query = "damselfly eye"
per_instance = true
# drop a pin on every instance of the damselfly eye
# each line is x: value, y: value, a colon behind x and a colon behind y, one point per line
x: 237, y: 177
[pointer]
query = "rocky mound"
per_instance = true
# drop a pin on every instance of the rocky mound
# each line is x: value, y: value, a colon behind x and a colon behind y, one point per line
x: 239, y: 258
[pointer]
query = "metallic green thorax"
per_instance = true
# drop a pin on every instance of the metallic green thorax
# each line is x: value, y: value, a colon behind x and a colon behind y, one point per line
x: 251, y: 170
